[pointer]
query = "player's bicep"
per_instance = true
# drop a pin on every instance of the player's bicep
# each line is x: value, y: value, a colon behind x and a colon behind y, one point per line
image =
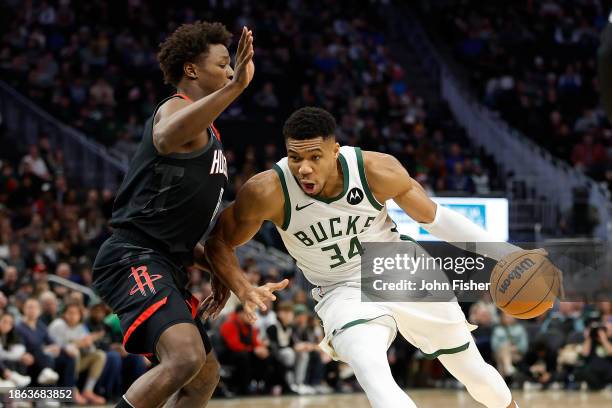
x: 234, y: 228
x: 389, y: 180
x: 416, y: 203
x: 256, y: 202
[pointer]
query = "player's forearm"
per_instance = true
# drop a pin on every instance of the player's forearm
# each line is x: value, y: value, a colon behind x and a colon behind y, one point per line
x: 456, y: 229
x: 604, y: 56
x: 224, y: 264
x: 186, y: 124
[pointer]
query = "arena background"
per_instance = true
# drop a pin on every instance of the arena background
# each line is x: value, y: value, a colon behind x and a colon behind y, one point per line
x: 476, y: 99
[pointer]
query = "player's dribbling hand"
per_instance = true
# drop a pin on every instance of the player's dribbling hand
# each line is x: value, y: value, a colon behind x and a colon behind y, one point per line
x: 245, y: 68
x: 215, y: 302
x: 255, y: 298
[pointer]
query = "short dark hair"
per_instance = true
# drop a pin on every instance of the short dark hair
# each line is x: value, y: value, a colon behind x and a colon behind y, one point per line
x: 186, y: 44
x: 308, y: 123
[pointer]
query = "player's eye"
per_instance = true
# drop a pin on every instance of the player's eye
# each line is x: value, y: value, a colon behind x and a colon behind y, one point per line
x: 316, y: 158
x: 223, y: 66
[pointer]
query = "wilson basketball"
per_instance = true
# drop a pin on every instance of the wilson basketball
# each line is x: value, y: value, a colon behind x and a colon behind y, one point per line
x: 525, y: 284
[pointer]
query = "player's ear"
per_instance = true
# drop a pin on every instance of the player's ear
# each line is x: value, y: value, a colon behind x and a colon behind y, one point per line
x: 190, y: 70
x: 336, y: 149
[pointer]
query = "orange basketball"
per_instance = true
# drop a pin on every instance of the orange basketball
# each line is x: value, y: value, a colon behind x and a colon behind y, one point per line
x: 525, y: 284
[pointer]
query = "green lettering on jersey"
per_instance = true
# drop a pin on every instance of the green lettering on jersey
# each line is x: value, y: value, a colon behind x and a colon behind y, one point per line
x: 304, y: 238
x: 336, y: 256
x: 367, y: 223
x: 352, y: 225
x: 323, y: 236
x: 355, y: 249
x: 334, y: 233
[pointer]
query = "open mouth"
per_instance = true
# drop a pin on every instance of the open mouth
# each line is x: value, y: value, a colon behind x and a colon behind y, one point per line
x: 308, y: 186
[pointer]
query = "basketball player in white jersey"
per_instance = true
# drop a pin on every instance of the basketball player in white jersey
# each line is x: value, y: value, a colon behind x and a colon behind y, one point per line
x: 325, y: 201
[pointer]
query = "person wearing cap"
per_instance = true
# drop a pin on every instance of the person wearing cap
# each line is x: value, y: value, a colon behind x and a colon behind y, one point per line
x: 244, y: 350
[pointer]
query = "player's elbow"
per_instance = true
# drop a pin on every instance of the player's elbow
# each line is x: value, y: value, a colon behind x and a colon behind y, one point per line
x: 161, y: 142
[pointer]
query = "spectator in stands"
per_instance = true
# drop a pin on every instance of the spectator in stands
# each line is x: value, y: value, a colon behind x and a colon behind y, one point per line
x: 597, y: 352
x: 482, y: 316
x: 33, y: 163
x: 282, y: 347
x: 10, y: 282
x: 50, y: 307
x: 244, y: 351
x: 509, y: 344
x: 309, y: 367
x: 70, y: 331
x: 52, y: 363
x: 13, y: 354
x: 109, y: 384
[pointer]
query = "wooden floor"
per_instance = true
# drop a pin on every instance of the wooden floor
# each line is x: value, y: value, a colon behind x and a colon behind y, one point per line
x: 427, y: 399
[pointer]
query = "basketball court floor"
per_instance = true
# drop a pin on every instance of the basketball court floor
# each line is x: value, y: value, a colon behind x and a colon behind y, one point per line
x: 427, y: 399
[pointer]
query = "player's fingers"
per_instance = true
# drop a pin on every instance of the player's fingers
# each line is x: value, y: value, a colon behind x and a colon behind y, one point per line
x: 260, y: 304
x: 251, y: 315
x: 244, y: 49
x: 242, y: 40
x: 274, y: 286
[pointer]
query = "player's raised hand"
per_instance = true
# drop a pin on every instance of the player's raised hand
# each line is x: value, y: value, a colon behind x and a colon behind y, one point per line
x: 245, y: 68
x: 256, y: 296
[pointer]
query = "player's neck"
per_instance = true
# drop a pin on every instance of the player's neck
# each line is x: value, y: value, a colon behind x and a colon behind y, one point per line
x: 191, y: 90
x: 335, y: 184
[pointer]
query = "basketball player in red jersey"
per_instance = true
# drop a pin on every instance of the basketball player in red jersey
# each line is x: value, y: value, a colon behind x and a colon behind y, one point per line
x: 166, y: 204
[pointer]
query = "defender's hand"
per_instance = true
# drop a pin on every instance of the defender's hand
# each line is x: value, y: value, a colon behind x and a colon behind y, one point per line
x: 245, y: 68
x: 215, y: 302
x: 254, y: 297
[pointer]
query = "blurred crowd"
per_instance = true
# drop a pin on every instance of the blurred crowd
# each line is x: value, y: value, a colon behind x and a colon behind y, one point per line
x: 51, y: 334
x: 93, y: 65
x: 535, y: 62
x: 570, y: 347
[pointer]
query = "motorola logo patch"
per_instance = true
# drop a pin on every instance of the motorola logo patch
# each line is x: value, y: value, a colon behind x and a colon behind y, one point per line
x: 355, y: 196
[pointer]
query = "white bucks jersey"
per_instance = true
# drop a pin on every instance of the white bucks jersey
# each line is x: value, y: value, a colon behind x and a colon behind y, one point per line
x: 325, y: 235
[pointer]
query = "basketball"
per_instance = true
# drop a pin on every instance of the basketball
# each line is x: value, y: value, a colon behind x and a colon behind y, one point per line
x: 525, y: 284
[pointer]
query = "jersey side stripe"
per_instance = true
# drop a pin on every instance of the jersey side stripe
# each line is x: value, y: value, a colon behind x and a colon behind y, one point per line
x: 364, y: 180
x: 287, y: 217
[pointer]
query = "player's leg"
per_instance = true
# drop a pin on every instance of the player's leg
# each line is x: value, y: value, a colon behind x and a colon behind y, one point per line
x: 200, y: 389
x: 364, y: 348
x: 181, y: 357
x: 482, y: 381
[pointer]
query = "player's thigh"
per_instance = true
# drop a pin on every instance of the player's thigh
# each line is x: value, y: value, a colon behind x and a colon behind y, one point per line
x: 435, y: 328
x: 363, y: 342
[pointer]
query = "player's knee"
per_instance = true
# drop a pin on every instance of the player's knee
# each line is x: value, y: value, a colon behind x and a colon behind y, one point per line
x: 183, y: 365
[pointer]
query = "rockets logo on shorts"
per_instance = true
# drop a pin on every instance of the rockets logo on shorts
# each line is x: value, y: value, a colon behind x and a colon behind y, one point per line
x: 219, y: 164
x: 143, y: 279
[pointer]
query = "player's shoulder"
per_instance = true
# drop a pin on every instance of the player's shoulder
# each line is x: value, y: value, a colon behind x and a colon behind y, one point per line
x: 170, y: 106
x: 386, y: 176
x: 261, y: 194
x: 380, y: 164
x: 262, y: 186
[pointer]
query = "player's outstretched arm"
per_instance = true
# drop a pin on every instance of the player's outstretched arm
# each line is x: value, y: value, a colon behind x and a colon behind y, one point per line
x: 388, y: 179
x: 179, y: 122
x: 260, y: 199
x: 604, y: 67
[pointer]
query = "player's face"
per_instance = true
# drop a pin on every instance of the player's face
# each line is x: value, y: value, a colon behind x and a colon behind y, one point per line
x: 312, y: 162
x: 213, y: 70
